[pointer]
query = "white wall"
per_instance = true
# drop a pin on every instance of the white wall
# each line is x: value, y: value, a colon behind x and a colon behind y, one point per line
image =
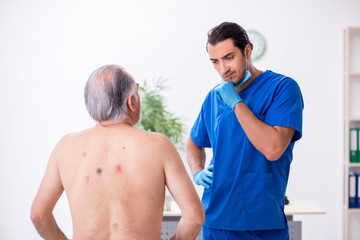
x: 49, y: 48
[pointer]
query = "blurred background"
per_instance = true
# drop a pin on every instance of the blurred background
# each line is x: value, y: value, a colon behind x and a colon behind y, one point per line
x: 49, y: 48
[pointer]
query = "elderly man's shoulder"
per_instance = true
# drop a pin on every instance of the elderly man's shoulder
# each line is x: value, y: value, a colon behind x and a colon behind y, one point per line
x: 141, y: 137
x: 75, y: 138
x: 155, y: 137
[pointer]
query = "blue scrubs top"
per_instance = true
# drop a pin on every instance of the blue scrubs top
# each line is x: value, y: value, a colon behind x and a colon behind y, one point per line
x: 248, y: 190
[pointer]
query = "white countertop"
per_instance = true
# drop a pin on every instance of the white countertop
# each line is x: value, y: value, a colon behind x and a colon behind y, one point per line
x: 294, y: 207
x: 302, y: 207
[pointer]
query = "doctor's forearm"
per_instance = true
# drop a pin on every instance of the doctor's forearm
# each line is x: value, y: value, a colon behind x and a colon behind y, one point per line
x: 266, y: 139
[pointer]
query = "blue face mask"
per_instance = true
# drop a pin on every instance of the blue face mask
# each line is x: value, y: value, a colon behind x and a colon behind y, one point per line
x: 246, y: 77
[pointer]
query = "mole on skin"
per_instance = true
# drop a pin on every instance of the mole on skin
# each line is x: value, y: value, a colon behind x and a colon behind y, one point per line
x: 99, y: 171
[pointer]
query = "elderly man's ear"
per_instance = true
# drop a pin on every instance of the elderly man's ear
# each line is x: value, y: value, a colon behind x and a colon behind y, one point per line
x: 131, y: 102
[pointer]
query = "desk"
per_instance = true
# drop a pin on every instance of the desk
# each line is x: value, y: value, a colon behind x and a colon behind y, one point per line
x: 302, y: 207
x: 171, y: 218
x: 299, y: 207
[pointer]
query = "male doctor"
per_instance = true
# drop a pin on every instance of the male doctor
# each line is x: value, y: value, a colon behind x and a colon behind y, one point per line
x: 251, y: 120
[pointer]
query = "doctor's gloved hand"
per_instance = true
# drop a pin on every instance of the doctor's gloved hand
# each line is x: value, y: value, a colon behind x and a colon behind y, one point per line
x: 204, y: 177
x: 227, y: 93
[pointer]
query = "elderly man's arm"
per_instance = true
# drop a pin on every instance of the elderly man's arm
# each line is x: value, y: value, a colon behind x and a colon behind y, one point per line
x: 184, y: 193
x: 48, y: 194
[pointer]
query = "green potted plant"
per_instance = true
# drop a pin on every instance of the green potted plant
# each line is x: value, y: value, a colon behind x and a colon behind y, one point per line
x: 154, y: 115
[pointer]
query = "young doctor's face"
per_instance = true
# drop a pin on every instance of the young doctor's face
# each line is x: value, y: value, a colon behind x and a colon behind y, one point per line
x: 228, y: 61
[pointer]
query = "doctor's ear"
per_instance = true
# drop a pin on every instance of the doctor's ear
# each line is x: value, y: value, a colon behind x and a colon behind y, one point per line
x: 248, y: 51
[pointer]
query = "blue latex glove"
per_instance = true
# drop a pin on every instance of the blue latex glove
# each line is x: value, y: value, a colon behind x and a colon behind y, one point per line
x: 226, y: 92
x: 204, y: 177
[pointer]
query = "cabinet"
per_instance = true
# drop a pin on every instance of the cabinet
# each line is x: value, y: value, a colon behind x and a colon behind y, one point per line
x: 351, y: 118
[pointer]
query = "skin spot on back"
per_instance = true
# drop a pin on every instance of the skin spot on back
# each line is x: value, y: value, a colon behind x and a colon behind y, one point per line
x: 123, y: 147
x: 87, y: 179
x: 84, y: 154
x: 118, y: 168
x: 115, y: 226
x: 99, y: 171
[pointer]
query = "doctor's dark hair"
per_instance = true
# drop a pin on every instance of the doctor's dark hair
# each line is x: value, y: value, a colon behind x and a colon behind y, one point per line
x: 106, y: 93
x: 228, y: 30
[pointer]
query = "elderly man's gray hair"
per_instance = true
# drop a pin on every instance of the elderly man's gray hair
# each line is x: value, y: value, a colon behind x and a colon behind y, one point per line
x: 106, y: 93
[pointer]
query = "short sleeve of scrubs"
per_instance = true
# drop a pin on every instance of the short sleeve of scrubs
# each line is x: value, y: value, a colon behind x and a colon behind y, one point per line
x: 199, y: 133
x: 286, y: 108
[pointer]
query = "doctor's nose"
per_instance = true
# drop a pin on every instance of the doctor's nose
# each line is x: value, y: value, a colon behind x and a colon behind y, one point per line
x: 223, y: 68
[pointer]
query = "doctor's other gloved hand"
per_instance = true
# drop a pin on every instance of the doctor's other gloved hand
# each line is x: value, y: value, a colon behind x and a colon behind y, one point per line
x: 227, y: 93
x: 204, y: 177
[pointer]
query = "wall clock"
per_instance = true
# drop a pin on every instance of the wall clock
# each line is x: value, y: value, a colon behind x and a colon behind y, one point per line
x: 259, y: 44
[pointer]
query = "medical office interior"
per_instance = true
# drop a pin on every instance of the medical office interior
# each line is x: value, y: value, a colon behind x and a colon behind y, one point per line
x: 49, y: 48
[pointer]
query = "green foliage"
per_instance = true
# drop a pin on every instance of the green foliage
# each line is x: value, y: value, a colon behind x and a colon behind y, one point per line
x: 154, y: 115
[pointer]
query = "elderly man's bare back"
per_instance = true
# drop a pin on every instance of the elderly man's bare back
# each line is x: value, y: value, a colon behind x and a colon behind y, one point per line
x: 114, y: 177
